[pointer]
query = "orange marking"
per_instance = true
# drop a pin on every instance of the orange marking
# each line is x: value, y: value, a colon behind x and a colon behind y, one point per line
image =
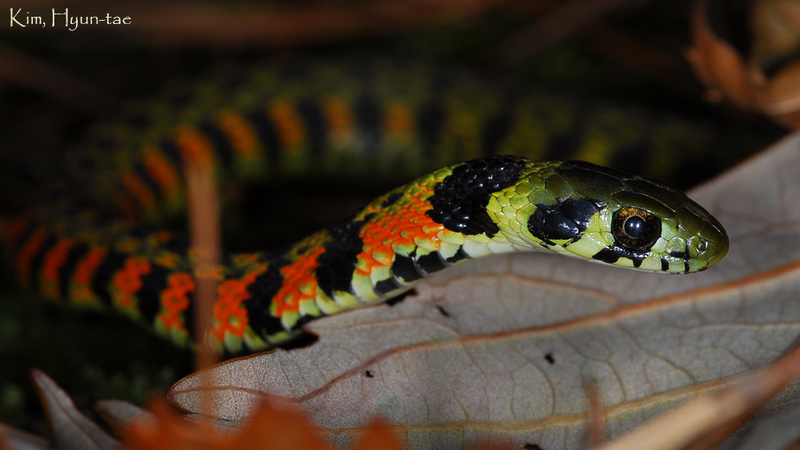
x: 241, y: 134
x: 162, y: 171
x: 53, y: 260
x: 288, y: 124
x: 399, y: 122
x: 229, y: 315
x: 15, y: 230
x: 246, y: 258
x: 80, y: 289
x: 299, y: 282
x: 167, y: 259
x: 175, y: 299
x: 338, y: 117
x: 194, y: 147
x: 27, y: 252
x: 159, y: 237
x: 128, y: 281
x: 140, y: 191
x: 387, y: 233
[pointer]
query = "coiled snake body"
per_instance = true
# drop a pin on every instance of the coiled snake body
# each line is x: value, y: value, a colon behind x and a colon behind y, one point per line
x: 484, y: 206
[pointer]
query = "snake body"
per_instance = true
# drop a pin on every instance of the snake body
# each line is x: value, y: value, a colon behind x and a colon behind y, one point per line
x: 484, y: 206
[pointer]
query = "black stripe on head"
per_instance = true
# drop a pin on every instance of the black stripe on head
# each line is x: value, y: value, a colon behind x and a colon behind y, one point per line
x: 68, y: 268
x: 613, y: 254
x: 222, y: 145
x: 262, y: 291
x: 369, y: 118
x: 564, y: 220
x: 459, y: 201
x: 607, y: 256
x: 338, y: 262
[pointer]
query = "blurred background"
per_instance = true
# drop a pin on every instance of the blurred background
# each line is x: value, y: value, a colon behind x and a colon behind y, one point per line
x: 736, y: 88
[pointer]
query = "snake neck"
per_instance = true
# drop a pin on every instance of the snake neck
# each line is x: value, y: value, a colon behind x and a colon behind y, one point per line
x: 387, y: 247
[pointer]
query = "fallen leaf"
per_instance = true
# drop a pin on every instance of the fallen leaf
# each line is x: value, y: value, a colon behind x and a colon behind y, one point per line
x: 776, y: 30
x: 120, y: 413
x: 720, y: 67
x: 500, y: 349
x: 705, y: 422
x: 773, y: 433
x: 275, y: 425
x: 741, y: 80
x: 13, y: 439
x: 70, y: 429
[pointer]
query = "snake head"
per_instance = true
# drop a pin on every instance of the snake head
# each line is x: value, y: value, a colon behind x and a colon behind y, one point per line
x: 583, y: 210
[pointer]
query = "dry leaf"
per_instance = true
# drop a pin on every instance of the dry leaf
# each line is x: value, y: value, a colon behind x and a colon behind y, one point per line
x: 776, y: 30
x: 720, y: 67
x: 727, y: 75
x: 774, y: 433
x: 70, y: 429
x: 499, y: 350
x: 119, y: 413
x: 275, y: 426
x: 705, y: 422
x: 13, y: 439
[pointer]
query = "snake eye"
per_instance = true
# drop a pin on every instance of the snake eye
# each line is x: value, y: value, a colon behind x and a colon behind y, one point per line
x: 635, y: 229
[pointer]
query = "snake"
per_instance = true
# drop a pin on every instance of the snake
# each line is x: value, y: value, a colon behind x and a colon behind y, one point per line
x: 78, y: 254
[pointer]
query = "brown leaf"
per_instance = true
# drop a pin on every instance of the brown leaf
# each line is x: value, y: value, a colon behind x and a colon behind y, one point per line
x: 720, y: 67
x: 776, y: 30
x: 275, y: 426
x: 501, y: 350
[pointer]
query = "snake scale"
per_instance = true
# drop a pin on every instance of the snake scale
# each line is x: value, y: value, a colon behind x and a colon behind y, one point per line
x: 96, y: 246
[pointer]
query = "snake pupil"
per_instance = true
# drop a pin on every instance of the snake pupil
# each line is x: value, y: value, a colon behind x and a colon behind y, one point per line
x: 635, y: 229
